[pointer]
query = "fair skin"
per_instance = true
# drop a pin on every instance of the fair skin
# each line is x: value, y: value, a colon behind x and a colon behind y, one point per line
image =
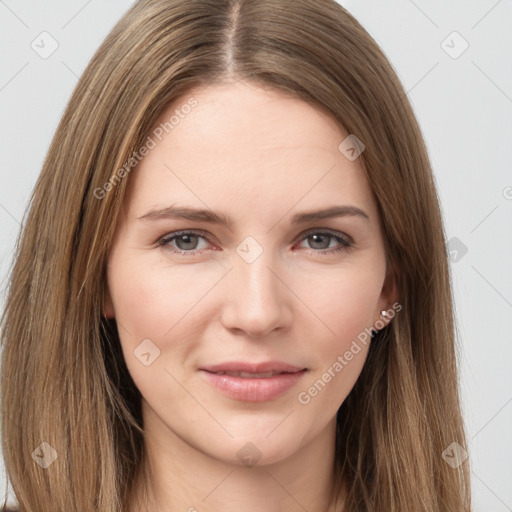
x: 260, y: 157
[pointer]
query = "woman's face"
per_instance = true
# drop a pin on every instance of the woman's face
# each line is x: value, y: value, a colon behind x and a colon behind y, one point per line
x: 218, y: 264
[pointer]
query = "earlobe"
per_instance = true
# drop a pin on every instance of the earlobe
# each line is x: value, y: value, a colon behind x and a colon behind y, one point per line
x: 389, y: 296
x: 108, y: 306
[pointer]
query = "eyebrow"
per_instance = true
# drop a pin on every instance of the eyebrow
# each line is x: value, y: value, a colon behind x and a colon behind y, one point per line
x: 205, y: 215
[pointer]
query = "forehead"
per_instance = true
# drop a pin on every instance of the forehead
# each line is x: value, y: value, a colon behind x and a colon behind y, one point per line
x: 253, y: 116
x: 250, y: 147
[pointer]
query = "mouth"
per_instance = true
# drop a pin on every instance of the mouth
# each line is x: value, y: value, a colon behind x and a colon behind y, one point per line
x: 247, y: 375
x: 264, y: 368
x: 253, y: 382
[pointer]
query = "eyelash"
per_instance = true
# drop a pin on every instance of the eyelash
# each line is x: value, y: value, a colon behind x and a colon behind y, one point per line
x: 166, y: 240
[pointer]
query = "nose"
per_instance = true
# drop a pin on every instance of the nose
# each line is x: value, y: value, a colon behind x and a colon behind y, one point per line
x: 258, y: 300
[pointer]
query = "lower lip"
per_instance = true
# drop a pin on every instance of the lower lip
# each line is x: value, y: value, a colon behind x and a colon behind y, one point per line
x: 253, y: 390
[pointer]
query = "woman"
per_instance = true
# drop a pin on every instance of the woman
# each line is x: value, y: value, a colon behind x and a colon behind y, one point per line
x: 253, y: 369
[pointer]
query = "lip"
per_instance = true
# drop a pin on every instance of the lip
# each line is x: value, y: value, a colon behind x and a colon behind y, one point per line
x: 263, y: 367
x: 257, y: 389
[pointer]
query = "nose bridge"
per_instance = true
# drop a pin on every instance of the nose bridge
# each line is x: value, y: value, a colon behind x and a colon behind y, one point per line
x: 257, y: 279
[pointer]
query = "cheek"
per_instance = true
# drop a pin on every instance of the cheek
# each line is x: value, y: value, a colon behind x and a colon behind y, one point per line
x: 153, y: 308
x: 346, y: 305
x: 158, y: 300
x: 161, y: 303
x: 345, y: 302
x: 345, y: 308
x: 150, y: 299
x: 140, y: 301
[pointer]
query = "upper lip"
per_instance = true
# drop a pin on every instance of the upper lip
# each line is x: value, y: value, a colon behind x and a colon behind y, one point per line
x: 240, y: 366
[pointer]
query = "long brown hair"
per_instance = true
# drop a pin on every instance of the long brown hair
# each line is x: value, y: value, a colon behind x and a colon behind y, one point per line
x: 72, y: 431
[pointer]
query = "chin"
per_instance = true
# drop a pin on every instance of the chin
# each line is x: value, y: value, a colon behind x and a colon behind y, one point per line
x: 257, y: 450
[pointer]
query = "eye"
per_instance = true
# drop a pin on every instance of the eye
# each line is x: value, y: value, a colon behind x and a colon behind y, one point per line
x: 322, y: 240
x: 186, y: 242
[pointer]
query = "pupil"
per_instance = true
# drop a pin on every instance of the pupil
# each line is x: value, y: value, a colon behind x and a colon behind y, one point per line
x: 316, y: 237
x: 187, y: 239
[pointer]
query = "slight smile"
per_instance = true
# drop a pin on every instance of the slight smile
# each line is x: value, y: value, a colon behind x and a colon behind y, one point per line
x: 253, y: 382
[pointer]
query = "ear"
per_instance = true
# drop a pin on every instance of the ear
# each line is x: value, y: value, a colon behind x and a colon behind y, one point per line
x: 108, y: 305
x: 389, y: 297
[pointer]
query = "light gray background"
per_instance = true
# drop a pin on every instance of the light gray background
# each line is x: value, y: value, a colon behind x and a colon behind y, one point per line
x: 464, y: 107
